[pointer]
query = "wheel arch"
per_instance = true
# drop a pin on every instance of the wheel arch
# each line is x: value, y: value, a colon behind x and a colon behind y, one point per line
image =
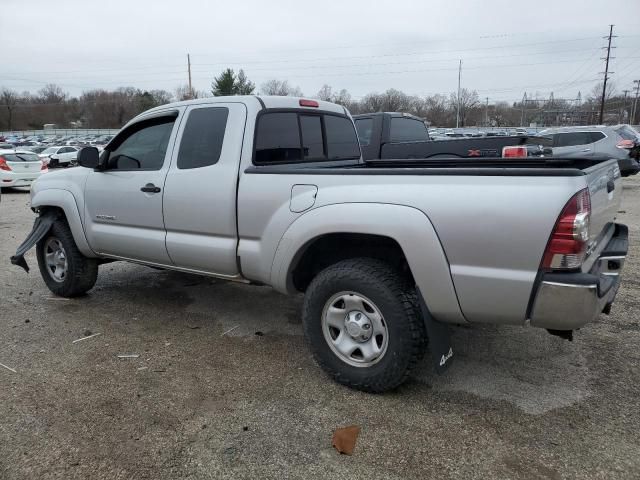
x: 406, y: 233
x: 64, y: 201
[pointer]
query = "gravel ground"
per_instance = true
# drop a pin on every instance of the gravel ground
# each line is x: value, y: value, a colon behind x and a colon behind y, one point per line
x: 204, y: 402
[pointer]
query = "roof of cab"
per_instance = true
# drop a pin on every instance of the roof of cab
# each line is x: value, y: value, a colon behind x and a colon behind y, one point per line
x: 268, y: 101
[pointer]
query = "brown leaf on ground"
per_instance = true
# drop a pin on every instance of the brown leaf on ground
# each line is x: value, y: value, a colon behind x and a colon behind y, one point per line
x: 344, y: 439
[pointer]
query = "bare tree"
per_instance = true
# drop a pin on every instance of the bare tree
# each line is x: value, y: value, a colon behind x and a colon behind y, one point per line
x: 280, y: 88
x: 469, y: 101
x: 325, y: 93
x: 9, y: 98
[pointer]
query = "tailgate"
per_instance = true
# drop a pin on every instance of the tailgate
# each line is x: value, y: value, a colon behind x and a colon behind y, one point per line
x: 605, y: 189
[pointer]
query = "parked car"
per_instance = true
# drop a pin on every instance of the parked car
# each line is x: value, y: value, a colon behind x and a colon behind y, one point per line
x: 290, y: 203
x: 37, y: 149
x: 621, y: 142
x: 7, y: 146
x: 397, y: 136
x: 19, y: 168
x: 62, y: 156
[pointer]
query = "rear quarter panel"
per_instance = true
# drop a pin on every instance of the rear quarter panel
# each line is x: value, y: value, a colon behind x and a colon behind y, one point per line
x: 492, y: 231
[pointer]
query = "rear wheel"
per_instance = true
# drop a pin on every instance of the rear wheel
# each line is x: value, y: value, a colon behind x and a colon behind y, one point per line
x: 361, y: 321
x: 65, y: 270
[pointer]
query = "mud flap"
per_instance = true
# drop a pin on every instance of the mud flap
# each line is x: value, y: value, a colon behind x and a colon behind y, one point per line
x: 40, y: 228
x: 439, y: 338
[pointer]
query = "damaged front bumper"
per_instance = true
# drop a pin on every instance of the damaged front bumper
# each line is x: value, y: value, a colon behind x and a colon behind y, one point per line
x: 566, y: 301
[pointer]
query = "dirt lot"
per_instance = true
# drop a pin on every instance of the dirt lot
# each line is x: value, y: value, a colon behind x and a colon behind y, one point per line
x: 203, y: 402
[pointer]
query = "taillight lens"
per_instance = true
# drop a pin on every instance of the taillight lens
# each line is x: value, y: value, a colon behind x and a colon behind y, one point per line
x: 629, y: 144
x: 514, y: 152
x: 3, y: 165
x: 44, y: 167
x: 567, y: 247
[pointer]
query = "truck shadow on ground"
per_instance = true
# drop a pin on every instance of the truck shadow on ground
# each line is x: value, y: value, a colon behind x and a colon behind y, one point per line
x: 526, y: 367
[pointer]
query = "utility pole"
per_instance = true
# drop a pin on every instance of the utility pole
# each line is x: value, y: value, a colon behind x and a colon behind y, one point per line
x: 606, y: 73
x: 458, y: 109
x: 632, y: 121
x: 623, y: 110
x: 524, y: 102
x: 189, y: 70
x: 486, y: 113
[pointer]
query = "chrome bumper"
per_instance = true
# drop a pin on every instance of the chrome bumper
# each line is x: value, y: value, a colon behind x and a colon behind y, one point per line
x: 566, y: 301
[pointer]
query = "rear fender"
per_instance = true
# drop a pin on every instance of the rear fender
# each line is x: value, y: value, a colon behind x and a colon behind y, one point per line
x: 408, y: 226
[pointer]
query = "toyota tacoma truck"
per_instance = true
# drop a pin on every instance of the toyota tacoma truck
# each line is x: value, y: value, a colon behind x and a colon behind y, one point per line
x: 274, y: 191
x: 395, y: 135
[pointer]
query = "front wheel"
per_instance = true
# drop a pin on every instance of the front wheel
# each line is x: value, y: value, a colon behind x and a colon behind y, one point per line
x: 361, y: 321
x: 65, y: 270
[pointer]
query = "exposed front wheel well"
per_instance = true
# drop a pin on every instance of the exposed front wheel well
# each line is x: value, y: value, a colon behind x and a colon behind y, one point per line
x: 335, y: 247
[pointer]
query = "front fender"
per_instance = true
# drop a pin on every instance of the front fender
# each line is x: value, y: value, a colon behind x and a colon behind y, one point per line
x: 64, y: 200
x: 408, y: 226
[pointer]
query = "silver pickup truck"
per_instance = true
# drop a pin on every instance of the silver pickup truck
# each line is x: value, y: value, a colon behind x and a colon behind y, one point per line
x: 273, y: 190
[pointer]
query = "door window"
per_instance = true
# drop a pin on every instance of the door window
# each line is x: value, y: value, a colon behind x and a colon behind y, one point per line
x: 142, y: 146
x: 364, y: 127
x: 408, y: 130
x: 202, y: 137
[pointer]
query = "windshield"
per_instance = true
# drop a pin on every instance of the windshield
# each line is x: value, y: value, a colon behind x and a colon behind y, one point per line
x: 50, y: 150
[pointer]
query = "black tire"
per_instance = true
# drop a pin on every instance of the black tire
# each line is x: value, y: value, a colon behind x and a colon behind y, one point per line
x: 81, y: 272
x: 395, y: 298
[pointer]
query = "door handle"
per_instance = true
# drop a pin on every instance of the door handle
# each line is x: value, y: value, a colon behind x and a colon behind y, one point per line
x: 150, y: 188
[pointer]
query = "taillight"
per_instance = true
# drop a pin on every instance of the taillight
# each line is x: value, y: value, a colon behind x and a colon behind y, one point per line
x: 514, y: 152
x: 308, y: 103
x: 44, y: 167
x: 629, y: 144
x: 567, y: 246
x: 3, y: 165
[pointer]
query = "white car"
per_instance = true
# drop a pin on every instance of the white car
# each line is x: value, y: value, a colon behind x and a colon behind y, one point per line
x: 64, y: 155
x: 19, y: 168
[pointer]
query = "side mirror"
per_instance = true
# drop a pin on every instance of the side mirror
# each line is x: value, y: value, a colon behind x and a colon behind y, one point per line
x: 88, y: 157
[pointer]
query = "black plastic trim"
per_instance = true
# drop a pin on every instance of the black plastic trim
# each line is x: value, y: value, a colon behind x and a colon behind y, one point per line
x: 356, y: 168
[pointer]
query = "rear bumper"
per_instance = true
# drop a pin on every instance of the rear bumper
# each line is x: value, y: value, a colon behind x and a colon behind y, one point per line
x: 12, y: 179
x: 566, y: 301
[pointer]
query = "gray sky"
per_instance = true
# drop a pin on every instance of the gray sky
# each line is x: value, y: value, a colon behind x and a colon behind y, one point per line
x: 506, y: 47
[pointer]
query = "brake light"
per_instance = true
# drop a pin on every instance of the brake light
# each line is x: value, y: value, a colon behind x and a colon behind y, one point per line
x: 44, y: 167
x: 3, y: 165
x: 567, y: 246
x: 629, y: 144
x: 514, y: 152
x: 308, y: 103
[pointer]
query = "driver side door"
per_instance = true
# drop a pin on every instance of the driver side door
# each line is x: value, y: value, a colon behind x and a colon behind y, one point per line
x: 123, y: 202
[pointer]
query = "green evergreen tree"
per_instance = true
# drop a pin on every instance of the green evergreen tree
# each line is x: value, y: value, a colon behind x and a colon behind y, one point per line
x: 244, y: 86
x: 225, y: 84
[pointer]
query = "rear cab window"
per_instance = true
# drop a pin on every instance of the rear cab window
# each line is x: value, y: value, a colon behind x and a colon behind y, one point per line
x: 301, y: 136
